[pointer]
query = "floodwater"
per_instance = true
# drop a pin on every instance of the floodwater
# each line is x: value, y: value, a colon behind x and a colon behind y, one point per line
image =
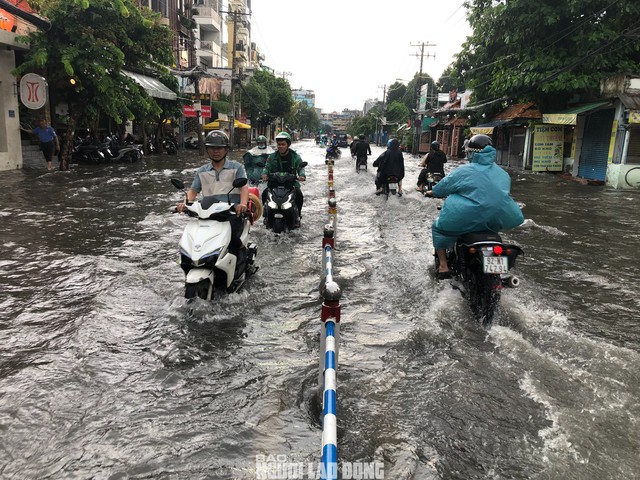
x: 107, y: 373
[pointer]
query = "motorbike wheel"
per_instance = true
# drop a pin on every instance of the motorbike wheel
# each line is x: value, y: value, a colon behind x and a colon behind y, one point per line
x: 199, y: 290
x: 483, y: 296
x: 278, y: 225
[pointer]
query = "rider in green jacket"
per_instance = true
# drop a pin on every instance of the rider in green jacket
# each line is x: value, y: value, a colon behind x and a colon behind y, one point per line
x: 287, y: 161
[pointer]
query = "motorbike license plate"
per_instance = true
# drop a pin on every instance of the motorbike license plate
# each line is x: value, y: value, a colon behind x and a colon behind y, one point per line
x: 393, y: 186
x: 495, y: 264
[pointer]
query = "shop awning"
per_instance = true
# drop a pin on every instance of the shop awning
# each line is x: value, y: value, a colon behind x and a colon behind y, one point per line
x: 487, y: 128
x: 569, y: 117
x: 152, y: 86
x: 427, y: 122
x: 225, y: 124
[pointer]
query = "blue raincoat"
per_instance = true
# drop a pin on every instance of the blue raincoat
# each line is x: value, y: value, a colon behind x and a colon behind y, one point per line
x: 477, y: 200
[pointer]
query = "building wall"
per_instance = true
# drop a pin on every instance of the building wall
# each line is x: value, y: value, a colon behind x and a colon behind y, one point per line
x: 10, y: 146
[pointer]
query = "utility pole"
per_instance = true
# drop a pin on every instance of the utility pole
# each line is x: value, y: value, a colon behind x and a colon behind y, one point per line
x: 235, y: 73
x: 382, y: 115
x: 417, y: 121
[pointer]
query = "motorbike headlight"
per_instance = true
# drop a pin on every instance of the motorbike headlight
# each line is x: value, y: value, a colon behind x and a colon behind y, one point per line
x: 287, y: 204
x: 272, y: 204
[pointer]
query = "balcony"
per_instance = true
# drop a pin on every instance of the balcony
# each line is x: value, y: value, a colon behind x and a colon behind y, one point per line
x: 207, y: 18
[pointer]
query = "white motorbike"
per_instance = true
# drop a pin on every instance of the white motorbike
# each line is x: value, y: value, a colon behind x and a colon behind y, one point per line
x: 204, y: 247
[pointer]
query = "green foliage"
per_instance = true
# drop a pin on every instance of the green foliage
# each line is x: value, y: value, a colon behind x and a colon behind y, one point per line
x: 547, y: 51
x: 278, y: 101
x: 105, y: 37
x: 305, y: 118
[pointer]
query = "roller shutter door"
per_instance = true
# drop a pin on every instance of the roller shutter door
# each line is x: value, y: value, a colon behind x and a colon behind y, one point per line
x: 595, y: 146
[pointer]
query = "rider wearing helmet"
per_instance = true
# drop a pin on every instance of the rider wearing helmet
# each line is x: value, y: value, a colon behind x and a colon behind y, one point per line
x: 433, y: 162
x: 216, y: 179
x: 390, y: 163
x: 363, y: 149
x: 285, y: 160
x: 257, y: 155
x: 478, y: 199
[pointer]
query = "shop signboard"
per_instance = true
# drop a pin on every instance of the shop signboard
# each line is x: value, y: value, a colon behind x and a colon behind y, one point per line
x: 548, y: 143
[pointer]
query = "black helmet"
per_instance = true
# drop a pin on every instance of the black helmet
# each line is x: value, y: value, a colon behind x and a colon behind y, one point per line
x: 216, y: 138
x: 435, y: 145
x: 394, y: 144
x: 478, y: 142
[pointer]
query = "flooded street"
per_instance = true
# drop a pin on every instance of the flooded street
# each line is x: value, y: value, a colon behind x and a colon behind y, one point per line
x: 106, y: 373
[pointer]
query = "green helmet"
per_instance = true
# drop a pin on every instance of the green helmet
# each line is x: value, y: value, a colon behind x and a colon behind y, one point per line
x: 262, y: 141
x: 284, y: 136
x: 216, y: 138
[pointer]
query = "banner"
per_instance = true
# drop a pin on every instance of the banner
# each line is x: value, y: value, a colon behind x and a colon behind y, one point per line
x: 548, y: 144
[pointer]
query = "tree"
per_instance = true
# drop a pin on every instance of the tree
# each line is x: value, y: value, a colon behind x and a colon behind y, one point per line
x: 395, y: 92
x: 83, y: 60
x: 279, y: 101
x: 397, y: 113
x: 547, y: 51
x: 305, y: 118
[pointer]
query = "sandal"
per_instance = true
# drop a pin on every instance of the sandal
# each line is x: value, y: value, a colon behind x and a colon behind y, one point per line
x: 444, y: 275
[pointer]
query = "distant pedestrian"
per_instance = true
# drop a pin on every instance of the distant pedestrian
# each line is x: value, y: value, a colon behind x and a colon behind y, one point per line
x: 49, y: 143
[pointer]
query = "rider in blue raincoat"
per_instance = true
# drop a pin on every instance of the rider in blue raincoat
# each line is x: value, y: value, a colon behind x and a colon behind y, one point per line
x: 478, y: 199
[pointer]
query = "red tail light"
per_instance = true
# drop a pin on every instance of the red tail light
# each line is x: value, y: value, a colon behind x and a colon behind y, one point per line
x: 497, y: 249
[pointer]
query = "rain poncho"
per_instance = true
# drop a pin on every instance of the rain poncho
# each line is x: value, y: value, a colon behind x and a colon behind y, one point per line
x: 477, y: 200
x: 254, y: 156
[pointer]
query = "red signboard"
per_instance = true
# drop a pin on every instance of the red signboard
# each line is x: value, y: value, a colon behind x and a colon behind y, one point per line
x: 190, y: 111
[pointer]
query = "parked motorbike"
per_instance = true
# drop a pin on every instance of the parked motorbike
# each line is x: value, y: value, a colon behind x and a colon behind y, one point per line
x: 169, y: 146
x: 432, y: 181
x: 204, y: 247
x: 124, y: 152
x: 280, y: 209
x: 191, y: 142
x: 482, y: 264
x: 86, y: 150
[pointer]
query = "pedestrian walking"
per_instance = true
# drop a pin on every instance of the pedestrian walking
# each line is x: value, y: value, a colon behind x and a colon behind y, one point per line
x: 49, y: 143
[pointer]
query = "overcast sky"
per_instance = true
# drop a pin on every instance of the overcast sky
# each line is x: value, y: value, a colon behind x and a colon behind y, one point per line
x: 347, y: 50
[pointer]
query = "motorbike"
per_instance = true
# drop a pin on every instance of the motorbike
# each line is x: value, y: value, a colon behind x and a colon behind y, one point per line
x: 481, y: 263
x: 169, y: 146
x: 333, y: 153
x: 86, y: 150
x: 124, y: 152
x: 390, y: 186
x: 361, y: 162
x: 204, y: 247
x: 280, y: 209
x: 432, y: 181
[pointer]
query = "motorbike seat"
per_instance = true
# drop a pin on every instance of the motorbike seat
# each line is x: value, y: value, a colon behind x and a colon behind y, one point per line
x: 480, y: 237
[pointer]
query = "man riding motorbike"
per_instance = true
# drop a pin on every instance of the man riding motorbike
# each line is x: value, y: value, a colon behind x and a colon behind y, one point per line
x: 285, y: 160
x: 433, y: 162
x: 362, y: 149
x: 390, y: 163
x: 216, y: 179
x: 478, y: 199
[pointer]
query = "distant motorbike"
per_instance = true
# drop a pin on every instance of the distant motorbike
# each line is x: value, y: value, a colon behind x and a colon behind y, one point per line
x: 280, y: 209
x: 432, y: 181
x: 333, y: 153
x: 204, y: 247
x: 482, y: 263
x: 361, y: 162
x: 87, y: 150
x: 169, y: 146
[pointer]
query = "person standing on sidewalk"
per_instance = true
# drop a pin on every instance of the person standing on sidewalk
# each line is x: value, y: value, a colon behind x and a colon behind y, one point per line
x: 49, y: 143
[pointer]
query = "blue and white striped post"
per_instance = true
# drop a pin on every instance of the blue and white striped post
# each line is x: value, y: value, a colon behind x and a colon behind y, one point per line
x: 329, y: 406
x: 329, y: 341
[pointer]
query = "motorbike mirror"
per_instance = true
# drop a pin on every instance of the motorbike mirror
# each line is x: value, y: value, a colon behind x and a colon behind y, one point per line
x: 240, y: 182
x: 303, y: 164
x: 260, y: 164
x: 179, y: 184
